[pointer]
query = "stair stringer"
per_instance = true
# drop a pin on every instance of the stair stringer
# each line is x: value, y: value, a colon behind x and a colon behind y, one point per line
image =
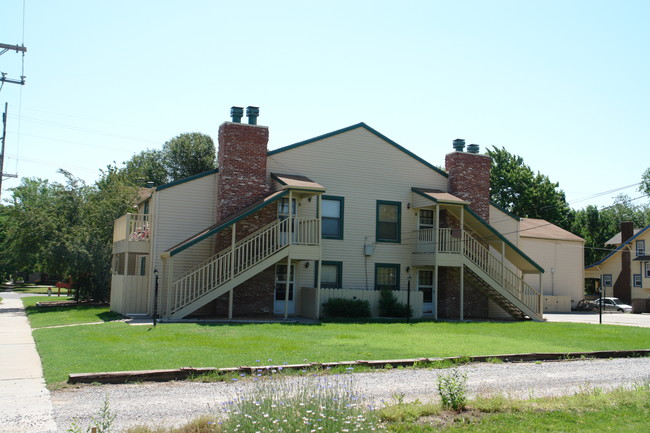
x: 230, y: 284
x: 503, y: 294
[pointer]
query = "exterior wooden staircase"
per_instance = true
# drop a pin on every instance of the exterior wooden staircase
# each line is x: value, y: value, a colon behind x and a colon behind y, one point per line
x: 236, y: 264
x: 499, y: 283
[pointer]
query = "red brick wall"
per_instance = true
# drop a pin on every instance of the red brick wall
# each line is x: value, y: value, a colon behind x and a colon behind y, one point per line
x: 242, y: 166
x: 251, y: 298
x: 469, y: 179
x: 475, y: 303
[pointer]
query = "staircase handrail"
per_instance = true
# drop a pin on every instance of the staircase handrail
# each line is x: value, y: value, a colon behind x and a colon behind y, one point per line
x: 493, y: 266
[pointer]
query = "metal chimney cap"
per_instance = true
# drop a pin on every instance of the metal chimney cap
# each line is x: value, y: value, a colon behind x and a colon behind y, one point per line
x: 236, y: 113
x: 473, y: 148
x: 252, y: 113
x: 459, y: 144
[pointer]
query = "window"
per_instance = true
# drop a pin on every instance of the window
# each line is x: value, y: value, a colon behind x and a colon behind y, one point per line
x: 637, y: 280
x: 640, y: 248
x: 386, y: 276
x: 331, y: 275
x: 426, y: 219
x: 332, y: 217
x: 283, y: 208
x: 143, y: 265
x: 607, y: 280
x: 647, y: 269
x: 388, y: 221
x: 281, y: 282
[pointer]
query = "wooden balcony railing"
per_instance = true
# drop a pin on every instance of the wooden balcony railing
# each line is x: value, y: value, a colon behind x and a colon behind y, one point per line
x: 132, y: 227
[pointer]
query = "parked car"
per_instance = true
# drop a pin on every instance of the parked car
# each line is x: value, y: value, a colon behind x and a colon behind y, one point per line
x: 613, y: 304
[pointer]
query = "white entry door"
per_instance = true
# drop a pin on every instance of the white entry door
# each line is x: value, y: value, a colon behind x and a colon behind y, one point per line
x: 280, y: 290
x: 425, y: 285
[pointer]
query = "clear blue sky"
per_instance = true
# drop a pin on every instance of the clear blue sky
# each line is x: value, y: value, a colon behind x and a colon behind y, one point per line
x: 564, y: 84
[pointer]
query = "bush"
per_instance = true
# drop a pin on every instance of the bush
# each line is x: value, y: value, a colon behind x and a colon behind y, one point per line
x: 453, y: 390
x: 340, y: 307
x: 390, y: 307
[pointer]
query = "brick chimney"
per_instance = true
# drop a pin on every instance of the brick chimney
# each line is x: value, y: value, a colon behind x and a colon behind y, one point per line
x: 623, y: 283
x: 469, y: 177
x: 242, y: 162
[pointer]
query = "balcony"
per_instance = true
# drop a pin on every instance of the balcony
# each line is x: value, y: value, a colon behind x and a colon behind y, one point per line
x: 132, y: 233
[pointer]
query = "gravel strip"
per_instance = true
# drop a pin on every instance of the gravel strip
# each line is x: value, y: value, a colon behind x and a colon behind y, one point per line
x: 174, y: 403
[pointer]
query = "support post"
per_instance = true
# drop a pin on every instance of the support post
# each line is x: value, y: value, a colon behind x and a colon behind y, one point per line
x: 319, y: 262
x: 462, y: 266
x: 435, y: 291
x: 231, y: 292
x: 503, y: 264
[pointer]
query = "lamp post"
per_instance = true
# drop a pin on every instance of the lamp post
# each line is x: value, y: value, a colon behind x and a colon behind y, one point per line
x: 155, y: 297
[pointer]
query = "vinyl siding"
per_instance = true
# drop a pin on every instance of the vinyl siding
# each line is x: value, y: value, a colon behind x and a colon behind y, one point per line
x: 362, y: 168
x: 563, y: 262
x: 180, y: 212
x: 505, y: 224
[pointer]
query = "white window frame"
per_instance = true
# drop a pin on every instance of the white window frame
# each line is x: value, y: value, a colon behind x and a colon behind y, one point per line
x: 640, y: 248
x: 607, y: 280
x: 636, y: 280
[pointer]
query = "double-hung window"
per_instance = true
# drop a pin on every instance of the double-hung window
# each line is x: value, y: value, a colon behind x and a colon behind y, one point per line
x: 331, y: 275
x: 647, y: 269
x: 637, y: 280
x: 386, y: 276
x: 640, y: 248
x: 332, y: 217
x: 607, y: 280
x: 388, y: 221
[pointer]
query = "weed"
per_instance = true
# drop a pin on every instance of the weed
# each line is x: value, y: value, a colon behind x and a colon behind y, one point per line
x: 452, y: 387
x: 100, y: 424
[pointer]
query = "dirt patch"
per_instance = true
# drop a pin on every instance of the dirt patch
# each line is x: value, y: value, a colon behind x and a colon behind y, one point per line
x: 46, y: 304
x: 448, y: 418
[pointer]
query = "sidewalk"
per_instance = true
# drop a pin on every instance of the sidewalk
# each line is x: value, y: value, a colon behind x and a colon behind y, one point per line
x: 25, y: 404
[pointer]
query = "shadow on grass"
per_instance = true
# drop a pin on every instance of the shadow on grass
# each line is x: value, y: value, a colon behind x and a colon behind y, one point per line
x: 102, y: 315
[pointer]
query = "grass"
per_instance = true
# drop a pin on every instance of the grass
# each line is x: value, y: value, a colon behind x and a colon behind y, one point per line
x: 40, y: 317
x: 622, y: 410
x: 119, y: 347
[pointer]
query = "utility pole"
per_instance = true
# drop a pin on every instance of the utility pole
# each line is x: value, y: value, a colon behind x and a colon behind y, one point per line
x: 2, y: 149
x: 3, y: 79
x: 18, y: 48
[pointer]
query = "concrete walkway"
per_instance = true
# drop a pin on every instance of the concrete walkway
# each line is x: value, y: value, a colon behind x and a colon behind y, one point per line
x: 25, y: 404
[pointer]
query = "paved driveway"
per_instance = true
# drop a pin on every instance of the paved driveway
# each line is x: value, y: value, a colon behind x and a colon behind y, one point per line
x: 626, y: 319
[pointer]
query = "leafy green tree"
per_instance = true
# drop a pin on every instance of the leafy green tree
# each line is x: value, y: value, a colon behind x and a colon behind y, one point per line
x: 516, y: 188
x: 645, y: 182
x: 188, y: 154
x: 65, y: 229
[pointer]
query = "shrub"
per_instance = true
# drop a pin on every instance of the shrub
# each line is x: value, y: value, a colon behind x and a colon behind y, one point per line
x: 452, y: 387
x: 389, y: 306
x: 340, y: 307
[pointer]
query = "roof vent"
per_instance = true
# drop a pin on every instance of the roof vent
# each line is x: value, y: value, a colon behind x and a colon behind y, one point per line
x: 472, y: 148
x: 252, y: 113
x: 236, y: 113
x: 459, y: 144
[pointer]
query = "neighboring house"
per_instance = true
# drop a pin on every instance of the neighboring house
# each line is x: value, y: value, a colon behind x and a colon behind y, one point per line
x: 344, y: 215
x: 559, y: 252
x: 625, y: 272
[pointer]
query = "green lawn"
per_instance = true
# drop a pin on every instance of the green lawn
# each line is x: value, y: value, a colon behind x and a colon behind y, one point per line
x: 65, y: 315
x: 118, y: 346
